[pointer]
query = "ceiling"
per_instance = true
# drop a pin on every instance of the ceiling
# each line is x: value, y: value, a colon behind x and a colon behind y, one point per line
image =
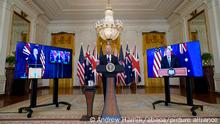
x: 94, y: 9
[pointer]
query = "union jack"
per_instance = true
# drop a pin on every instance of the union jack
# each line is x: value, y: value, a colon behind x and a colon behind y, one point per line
x: 183, y: 48
x: 136, y: 66
x: 27, y: 52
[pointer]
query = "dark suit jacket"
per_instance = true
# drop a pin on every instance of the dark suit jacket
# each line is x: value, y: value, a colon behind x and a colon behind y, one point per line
x: 32, y: 61
x: 174, y: 62
x: 104, y: 61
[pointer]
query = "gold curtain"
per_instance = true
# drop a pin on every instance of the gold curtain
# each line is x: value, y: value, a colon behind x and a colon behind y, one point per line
x: 64, y: 40
x: 102, y: 43
x: 114, y: 44
x: 152, y: 40
x: 194, y: 36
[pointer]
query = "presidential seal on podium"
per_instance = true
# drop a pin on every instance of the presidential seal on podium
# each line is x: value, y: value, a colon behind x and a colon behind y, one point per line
x: 110, y: 67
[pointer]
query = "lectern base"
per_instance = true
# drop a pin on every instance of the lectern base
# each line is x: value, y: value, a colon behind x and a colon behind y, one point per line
x: 89, y: 118
x: 110, y: 111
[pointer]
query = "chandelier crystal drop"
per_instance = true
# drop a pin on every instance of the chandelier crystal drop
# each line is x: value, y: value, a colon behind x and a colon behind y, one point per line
x: 108, y: 28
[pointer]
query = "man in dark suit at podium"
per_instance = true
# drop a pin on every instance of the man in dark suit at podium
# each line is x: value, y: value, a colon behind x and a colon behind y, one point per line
x: 108, y: 58
x: 169, y: 60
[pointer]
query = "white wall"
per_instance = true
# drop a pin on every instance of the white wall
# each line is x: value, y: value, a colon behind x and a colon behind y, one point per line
x: 178, y: 30
x: 85, y: 33
x: 214, y: 24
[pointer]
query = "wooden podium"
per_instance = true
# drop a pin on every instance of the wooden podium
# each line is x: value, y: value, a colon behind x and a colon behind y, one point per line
x: 177, y: 72
x: 110, y: 111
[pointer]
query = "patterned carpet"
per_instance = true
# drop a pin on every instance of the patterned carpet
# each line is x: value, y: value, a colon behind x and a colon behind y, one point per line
x: 131, y: 106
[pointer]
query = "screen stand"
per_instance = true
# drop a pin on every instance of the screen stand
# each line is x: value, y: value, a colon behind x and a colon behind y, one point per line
x: 188, y: 96
x: 33, y: 99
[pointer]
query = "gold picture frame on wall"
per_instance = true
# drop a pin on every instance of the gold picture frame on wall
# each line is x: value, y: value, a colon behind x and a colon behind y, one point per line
x: 197, y: 30
x: 20, y: 30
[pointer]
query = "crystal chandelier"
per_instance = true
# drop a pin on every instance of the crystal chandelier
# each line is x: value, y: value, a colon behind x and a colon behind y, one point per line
x: 108, y: 28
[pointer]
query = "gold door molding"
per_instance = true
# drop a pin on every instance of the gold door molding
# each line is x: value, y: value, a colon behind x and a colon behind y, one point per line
x: 64, y: 40
x: 152, y: 40
x: 102, y: 43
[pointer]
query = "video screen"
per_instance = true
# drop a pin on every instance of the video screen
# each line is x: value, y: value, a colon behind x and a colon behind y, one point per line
x: 186, y: 55
x: 60, y: 57
x: 54, y: 62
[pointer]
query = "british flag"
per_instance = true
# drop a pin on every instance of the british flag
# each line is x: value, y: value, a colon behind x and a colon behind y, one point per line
x: 136, y: 66
x: 183, y: 48
x: 26, y: 52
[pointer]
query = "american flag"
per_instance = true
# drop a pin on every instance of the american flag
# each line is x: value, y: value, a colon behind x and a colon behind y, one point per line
x: 81, y: 67
x: 136, y: 66
x: 121, y: 76
x: 157, y: 62
x: 27, y: 52
x: 42, y: 59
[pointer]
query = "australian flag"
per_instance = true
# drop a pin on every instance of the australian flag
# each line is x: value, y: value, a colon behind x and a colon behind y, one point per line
x: 129, y: 76
x: 89, y: 73
x: 190, y: 57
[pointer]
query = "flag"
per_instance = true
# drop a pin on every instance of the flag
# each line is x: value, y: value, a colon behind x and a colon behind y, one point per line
x: 91, y: 60
x: 100, y: 56
x: 116, y: 55
x: 94, y: 60
x: 115, y: 52
x: 184, y: 57
x: 121, y: 76
x: 128, y: 67
x: 26, y: 51
x: 89, y: 73
x: 157, y: 62
x: 100, y: 53
x: 95, y: 63
x: 136, y: 66
x: 182, y: 48
x: 42, y: 59
x: 81, y: 67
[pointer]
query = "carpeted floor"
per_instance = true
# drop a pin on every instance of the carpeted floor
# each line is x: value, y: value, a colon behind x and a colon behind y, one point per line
x: 131, y: 106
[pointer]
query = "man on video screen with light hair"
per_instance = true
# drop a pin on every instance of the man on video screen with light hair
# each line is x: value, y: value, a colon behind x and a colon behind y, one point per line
x: 169, y: 60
